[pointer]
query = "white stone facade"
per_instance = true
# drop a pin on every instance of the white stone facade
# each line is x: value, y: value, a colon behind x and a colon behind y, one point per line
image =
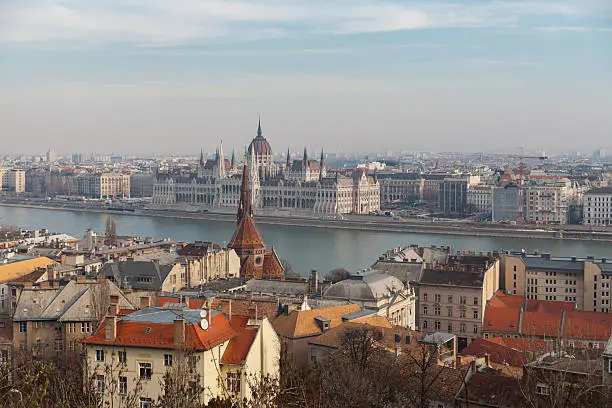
x: 598, y: 207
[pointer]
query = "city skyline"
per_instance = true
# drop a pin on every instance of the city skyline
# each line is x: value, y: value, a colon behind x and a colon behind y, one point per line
x: 157, y: 77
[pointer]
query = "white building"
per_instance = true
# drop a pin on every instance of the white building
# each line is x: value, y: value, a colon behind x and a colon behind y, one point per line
x: 378, y: 294
x: 12, y: 180
x: 598, y: 207
x: 218, y: 354
x: 298, y: 186
x: 479, y: 198
x: 546, y: 199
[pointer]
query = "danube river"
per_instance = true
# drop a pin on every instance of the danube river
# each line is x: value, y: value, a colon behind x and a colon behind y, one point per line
x: 305, y: 248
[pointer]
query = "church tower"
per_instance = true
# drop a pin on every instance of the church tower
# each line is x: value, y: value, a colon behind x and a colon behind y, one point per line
x: 247, y: 240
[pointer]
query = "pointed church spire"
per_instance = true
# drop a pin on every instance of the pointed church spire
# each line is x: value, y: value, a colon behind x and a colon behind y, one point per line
x: 233, y: 161
x: 201, y: 157
x: 305, y: 158
x: 244, y: 208
x: 288, y: 157
x: 259, y: 134
x: 322, y: 166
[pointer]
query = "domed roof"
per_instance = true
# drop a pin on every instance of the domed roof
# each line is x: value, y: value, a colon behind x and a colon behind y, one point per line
x: 369, y: 285
x: 260, y: 145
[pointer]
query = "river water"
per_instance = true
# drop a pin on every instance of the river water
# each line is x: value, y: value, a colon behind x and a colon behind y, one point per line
x: 305, y: 248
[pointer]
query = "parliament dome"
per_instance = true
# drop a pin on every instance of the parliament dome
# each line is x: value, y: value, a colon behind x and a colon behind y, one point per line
x: 260, y: 145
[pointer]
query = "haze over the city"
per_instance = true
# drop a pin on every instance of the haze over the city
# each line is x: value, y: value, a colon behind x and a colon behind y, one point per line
x: 132, y: 76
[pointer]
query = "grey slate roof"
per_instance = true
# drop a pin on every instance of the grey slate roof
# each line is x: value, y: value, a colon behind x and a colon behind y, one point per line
x: 442, y: 277
x: 404, y: 271
x: 552, y: 264
x: 276, y: 287
x: 130, y: 272
x: 370, y: 285
x: 162, y: 315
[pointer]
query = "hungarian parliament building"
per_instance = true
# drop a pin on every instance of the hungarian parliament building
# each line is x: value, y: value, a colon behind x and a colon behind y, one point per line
x: 296, y: 186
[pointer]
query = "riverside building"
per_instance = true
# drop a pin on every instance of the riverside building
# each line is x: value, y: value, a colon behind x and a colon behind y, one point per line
x: 296, y: 186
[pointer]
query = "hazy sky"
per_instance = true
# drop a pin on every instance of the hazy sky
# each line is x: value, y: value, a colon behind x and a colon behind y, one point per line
x: 143, y: 76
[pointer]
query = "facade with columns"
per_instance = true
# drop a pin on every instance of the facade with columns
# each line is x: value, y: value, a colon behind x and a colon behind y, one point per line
x: 302, y: 185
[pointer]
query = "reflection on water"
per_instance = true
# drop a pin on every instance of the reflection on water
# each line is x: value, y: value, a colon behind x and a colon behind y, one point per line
x: 305, y: 248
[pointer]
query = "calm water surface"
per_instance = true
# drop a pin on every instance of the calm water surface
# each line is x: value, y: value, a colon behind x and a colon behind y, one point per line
x: 304, y: 248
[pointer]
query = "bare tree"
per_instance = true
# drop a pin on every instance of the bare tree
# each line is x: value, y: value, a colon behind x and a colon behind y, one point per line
x: 181, y: 384
x: 337, y: 274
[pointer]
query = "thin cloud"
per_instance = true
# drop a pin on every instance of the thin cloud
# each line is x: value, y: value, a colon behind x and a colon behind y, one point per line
x: 162, y: 22
x: 578, y: 29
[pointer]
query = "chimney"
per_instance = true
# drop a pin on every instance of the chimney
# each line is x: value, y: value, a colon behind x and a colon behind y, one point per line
x: 111, y: 328
x: 314, y: 281
x: 230, y: 309
x: 179, y: 331
x: 486, y: 359
x: 145, y: 301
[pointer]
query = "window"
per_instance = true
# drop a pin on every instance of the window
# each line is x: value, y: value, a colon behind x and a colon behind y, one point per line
x: 425, y: 297
x: 233, y: 382
x: 462, y: 313
x: 463, y: 300
x: 462, y: 328
x: 542, y: 389
x: 100, y: 355
x: 145, y: 370
x: 514, y: 268
x: 437, y: 311
x: 450, y: 327
x: 475, y: 301
x: 122, y: 357
x: 449, y: 311
x: 475, y: 314
x: 610, y: 366
x: 437, y: 324
x: 437, y: 298
x: 122, y: 385
x: 23, y: 327
x: 168, y: 360
x: 475, y: 329
x: 424, y: 310
x: 424, y: 324
x: 100, y: 384
x: 146, y: 402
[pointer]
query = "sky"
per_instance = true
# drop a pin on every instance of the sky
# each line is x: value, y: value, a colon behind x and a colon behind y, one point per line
x: 171, y: 77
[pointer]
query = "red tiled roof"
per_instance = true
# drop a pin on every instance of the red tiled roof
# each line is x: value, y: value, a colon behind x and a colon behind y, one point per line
x: 161, y: 335
x: 587, y: 325
x: 239, y: 347
x: 498, y: 353
x: 521, y: 344
x: 192, y: 303
x: 501, y: 319
x: 545, y: 319
x: 247, y: 235
x: 247, y: 307
x: 272, y: 267
x: 542, y: 324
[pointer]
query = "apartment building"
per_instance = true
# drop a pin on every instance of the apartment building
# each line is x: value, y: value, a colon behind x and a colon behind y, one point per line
x: 479, y: 199
x: 400, y: 187
x: 114, y: 185
x: 597, y: 210
x: 50, y: 319
x: 546, y: 199
x: 453, y: 301
x: 583, y: 281
x: 13, y: 180
x: 220, y: 353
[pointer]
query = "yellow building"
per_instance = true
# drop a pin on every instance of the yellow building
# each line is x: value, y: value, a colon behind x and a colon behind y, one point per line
x: 584, y: 281
x: 133, y: 353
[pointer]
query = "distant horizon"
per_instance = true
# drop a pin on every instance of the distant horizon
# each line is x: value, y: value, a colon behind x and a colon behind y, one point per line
x: 441, y: 75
